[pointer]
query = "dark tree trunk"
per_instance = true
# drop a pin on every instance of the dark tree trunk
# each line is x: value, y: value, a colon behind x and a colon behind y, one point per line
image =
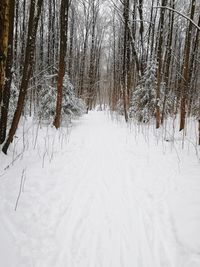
x: 185, y: 75
x: 8, y: 80
x: 159, y: 70
x: 124, y: 69
x: 167, y: 61
x: 62, y: 61
x: 71, y: 46
x: 92, y: 59
x: 35, y: 10
x: 4, y: 32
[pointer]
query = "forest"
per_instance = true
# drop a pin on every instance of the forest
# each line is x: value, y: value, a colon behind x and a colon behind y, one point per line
x: 60, y: 58
x: 99, y: 133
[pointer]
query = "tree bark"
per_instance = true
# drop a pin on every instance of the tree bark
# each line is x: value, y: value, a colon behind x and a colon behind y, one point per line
x: 167, y: 61
x: 4, y: 32
x: 8, y: 75
x: 62, y: 61
x: 159, y: 60
x: 185, y: 75
x: 124, y: 69
x: 71, y: 46
x: 35, y: 10
x: 90, y: 94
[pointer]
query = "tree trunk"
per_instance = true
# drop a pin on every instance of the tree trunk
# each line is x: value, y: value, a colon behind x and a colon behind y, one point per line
x: 90, y: 94
x: 71, y: 47
x: 23, y: 38
x: 124, y: 69
x: 141, y: 30
x: 167, y: 61
x: 62, y: 61
x: 35, y: 10
x: 8, y: 80
x: 185, y: 75
x: 199, y: 130
x: 193, y: 66
x: 16, y: 33
x: 159, y: 59
x: 4, y: 32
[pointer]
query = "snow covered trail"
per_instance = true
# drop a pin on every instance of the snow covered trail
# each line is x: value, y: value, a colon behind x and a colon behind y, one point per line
x: 108, y: 218
x: 101, y: 202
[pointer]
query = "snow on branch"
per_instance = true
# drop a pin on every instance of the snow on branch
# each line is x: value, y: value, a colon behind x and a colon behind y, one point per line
x: 179, y: 13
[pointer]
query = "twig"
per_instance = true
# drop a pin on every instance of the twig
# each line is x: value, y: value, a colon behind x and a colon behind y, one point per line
x: 8, y: 166
x: 36, y: 137
x: 20, y: 189
x: 43, y: 158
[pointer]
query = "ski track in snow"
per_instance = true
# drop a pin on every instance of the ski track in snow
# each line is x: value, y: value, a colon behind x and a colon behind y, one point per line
x: 104, y: 210
x: 109, y: 221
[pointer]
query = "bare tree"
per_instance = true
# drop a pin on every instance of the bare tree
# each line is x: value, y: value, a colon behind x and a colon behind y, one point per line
x: 124, y: 70
x: 185, y: 75
x: 64, y: 9
x: 34, y: 15
x: 159, y: 59
x: 4, y: 32
x: 8, y: 74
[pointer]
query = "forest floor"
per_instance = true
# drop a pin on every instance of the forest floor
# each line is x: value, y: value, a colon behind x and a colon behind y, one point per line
x: 99, y: 194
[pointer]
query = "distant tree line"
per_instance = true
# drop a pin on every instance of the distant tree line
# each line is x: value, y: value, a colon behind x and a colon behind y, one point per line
x: 155, y: 59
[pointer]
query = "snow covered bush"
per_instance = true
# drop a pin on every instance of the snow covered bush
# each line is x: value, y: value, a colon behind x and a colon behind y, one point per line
x: 144, y: 97
x: 120, y: 107
x: 72, y: 105
x: 195, y: 105
x: 143, y: 103
x: 167, y: 99
x: 13, y: 100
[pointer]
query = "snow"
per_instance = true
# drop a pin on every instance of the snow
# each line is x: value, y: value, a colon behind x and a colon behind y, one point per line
x: 99, y: 194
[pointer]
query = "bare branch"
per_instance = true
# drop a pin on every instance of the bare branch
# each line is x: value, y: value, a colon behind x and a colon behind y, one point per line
x: 179, y: 13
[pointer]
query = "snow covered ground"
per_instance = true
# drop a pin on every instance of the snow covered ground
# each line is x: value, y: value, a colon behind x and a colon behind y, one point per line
x: 99, y: 194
